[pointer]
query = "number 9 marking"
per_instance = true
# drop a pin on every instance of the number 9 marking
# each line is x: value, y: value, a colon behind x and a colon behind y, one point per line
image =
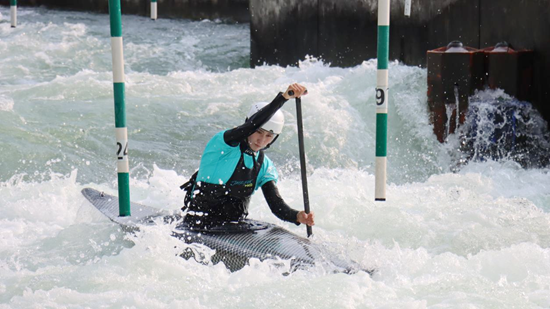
x: 380, y: 96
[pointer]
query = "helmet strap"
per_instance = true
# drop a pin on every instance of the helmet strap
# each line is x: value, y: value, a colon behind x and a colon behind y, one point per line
x: 273, y: 141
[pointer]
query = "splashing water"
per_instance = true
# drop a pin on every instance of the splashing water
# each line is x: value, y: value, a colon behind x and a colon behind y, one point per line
x: 499, y: 127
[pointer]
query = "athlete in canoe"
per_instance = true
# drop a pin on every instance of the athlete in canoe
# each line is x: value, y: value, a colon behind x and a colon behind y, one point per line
x: 233, y: 166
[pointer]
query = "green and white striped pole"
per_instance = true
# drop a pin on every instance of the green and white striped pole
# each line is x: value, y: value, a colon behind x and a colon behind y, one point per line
x: 154, y: 9
x: 120, y: 109
x: 382, y: 99
x: 13, y: 13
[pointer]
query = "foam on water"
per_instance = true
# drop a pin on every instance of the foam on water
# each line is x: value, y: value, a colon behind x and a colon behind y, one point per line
x: 445, y: 241
x: 477, y: 237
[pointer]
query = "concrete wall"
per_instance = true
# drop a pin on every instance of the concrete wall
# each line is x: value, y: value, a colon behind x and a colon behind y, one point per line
x: 524, y: 24
x: 344, y: 33
x: 231, y: 10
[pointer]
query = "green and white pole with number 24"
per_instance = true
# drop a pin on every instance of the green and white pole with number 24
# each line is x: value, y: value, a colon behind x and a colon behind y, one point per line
x: 13, y: 13
x: 382, y: 99
x: 123, y: 168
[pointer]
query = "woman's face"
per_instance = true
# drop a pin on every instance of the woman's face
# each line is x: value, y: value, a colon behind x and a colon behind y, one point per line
x: 260, y: 139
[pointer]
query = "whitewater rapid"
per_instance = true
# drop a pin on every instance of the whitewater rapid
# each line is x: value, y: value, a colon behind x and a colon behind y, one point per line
x: 470, y: 235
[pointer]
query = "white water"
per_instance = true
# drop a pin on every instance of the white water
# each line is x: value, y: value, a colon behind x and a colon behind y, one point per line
x: 475, y: 238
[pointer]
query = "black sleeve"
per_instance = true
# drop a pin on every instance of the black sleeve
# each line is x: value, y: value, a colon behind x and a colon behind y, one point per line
x: 278, y: 206
x: 234, y: 136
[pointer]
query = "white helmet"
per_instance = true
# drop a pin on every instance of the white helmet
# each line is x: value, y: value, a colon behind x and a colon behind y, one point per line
x: 274, y: 124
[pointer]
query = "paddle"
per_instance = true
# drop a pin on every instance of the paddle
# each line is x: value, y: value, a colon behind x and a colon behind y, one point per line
x: 302, y: 157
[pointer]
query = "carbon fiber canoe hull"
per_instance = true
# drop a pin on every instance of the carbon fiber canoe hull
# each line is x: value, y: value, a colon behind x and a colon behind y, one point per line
x: 235, y: 244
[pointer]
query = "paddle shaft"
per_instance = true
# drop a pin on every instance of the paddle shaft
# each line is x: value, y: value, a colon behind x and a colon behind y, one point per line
x: 302, y: 160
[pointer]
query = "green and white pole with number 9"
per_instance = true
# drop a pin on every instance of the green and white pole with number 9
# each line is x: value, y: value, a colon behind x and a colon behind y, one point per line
x: 382, y: 99
x: 123, y: 168
x: 13, y: 13
x: 154, y: 9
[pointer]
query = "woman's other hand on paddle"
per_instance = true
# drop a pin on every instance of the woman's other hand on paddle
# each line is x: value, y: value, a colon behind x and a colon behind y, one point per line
x: 304, y: 218
x: 294, y: 91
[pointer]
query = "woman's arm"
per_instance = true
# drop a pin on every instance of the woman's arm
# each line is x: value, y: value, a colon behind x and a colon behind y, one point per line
x: 234, y: 136
x: 277, y: 205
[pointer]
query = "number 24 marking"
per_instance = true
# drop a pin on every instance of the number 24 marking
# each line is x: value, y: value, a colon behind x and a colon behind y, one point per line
x: 125, y: 153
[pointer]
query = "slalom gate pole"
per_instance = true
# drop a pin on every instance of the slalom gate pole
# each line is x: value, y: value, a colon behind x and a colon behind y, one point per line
x: 303, y: 160
x: 121, y: 131
x: 382, y: 99
x: 13, y: 13
x: 408, y: 8
x: 154, y: 9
